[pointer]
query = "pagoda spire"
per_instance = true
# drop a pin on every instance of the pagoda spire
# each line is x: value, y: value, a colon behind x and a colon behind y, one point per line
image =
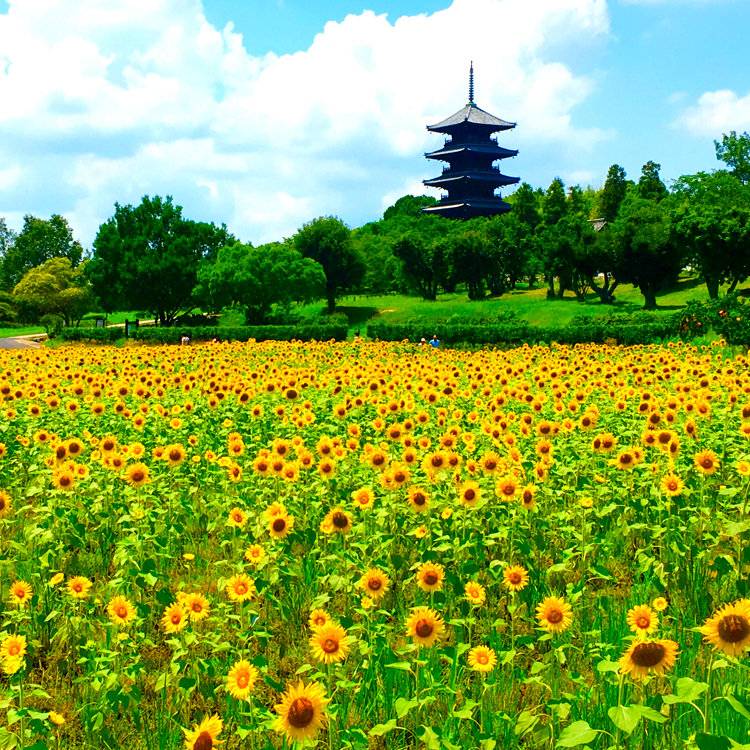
x: 471, y: 83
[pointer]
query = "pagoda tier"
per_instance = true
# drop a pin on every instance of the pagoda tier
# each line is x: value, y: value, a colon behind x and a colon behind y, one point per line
x: 470, y: 178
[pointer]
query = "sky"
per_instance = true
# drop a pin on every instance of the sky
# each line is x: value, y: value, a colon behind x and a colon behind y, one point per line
x: 264, y: 114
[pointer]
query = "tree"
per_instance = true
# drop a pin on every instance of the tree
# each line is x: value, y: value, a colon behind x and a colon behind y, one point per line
x: 650, y: 185
x: 327, y: 240
x: 712, y: 221
x: 38, y: 241
x: 734, y: 151
x: 56, y: 286
x: 146, y: 258
x: 256, y: 278
x: 425, y: 262
x: 409, y: 205
x: 472, y: 260
x: 612, y: 194
x: 649, y: 257
x: 526, y: 206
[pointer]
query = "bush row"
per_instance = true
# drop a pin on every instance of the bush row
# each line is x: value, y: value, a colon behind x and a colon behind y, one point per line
x: 173, y: 335
x: 584, y: 331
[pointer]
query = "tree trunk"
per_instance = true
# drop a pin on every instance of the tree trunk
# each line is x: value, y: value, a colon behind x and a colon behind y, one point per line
x: 712, y: 284
x: 331, y: 298
x: 551, y: 287
x: 733, y: 285
x: 649, y: 296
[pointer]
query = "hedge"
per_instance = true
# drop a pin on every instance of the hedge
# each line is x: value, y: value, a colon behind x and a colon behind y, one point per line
x: 630, y: 331
x: 173, y: 335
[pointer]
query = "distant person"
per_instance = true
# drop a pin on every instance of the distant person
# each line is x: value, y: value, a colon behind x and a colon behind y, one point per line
x: 423, y: 342
x: 434, y: 341
x: 185, y: 340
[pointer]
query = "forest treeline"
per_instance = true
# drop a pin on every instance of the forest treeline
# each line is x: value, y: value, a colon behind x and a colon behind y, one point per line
x: 150, y: 257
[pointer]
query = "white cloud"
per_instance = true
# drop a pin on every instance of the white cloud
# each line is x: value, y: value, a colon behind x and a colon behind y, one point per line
x: 113, y: 99
x: 716, y: 112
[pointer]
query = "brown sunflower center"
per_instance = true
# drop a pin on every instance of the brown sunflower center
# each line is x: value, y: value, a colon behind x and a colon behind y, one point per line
x: 2, y: 504
x: 648, y: 654
x: 175, y: 455
x: 424, y: 628
x: 137, y: 475
x: 176, y: 618
x: 626, y: 458
x: 469, y: 494
x: 14, y: 649
x: 301, y: 713
x: 240, y: 587
x: 734, y: 628
x: 430, y: 578
x: 374, y: 584
x: 330, y: 645
x: 643, y: 621
x: 514, y: 577
x: 243, y: 679
x: 340, y: 520
x: 554, y: 616
x: 706, y: 462
x: 419, y: 499
x: 203, y: 741
x: 482, y: 658
x: 279, y: 525
x: 122, y: 611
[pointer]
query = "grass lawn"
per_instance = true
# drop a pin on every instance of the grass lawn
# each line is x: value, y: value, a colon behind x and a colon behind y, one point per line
x: 532, y: 306
x: 20, y: 331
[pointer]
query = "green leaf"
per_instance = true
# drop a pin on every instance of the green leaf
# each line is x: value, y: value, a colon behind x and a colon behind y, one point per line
x: 711, y: 742
x: 739, y: 707
x: 403, y: 706
x: 380, y: 729
x: 430, y: 739
x: 527, y: 720
x: 687, y: 691
x: 404, y: 666
x: 487, y: 745
x: 8, y: 740
x: 608, y: 666
x: 578, y: 733
x: 625, y: 718
x: 650, y: 713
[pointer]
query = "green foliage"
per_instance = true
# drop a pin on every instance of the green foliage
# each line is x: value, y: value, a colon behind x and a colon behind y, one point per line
x: 39, y: 240
x: 56, y: 287
x: 327, y: 240
x: 650, y: 185
x: 53, y: 324
x: 728, y: 317
x: 612, y: 194
x: 147, y: 257
x: 734, y: 151
x: 100, y: 335
x: 257, y: 278
x: 409, y: 205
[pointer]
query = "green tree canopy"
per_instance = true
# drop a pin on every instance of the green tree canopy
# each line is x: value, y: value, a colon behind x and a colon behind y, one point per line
x: 734, y: 151
x: 38, y: 241
x: 650, y: 185
x: 56, y: 286
x: 327, y: 240
x: 146, y: 257
x: 257, y: 278
x: 409, y: 205
x: 612, y: 194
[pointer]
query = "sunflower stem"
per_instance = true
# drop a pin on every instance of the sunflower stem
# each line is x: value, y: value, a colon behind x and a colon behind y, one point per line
x: 707, y: 703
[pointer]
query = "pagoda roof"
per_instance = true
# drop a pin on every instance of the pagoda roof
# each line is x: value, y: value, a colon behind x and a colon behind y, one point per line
x: 473, y: 115
x: 493, y: 177
x: 473, y: 148
x: 469, y: 207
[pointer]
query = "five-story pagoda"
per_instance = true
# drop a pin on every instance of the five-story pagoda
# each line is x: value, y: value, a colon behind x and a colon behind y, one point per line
x: 470, y: 150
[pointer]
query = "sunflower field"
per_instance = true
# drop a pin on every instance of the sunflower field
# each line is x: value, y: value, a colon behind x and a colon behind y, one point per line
x: 369, y: 545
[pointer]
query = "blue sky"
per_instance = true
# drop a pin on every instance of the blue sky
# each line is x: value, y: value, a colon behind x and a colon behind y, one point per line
x: 266, y: 113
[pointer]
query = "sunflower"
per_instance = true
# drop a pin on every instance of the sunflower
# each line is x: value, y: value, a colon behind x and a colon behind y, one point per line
x: 475, y: 594
x: 197, y: 606
x: 13, y: 647
x: 237, y: 518
x: 5, y: 503
x: 175, y: 618
x: 672, y: 485
x: 644, y: 657
x: 255, y: 554
x: 430, y: 576
x: 64, y: 479
x: 642, y: 620
x: 659, y: 604
x: 363, y: 497
x: 418, y: 499
x: 528, y: 499
x: 241, y: 680
x: 318, y: 618
x: 280, y: 526
x: 554, y: 614
x: 482, y: 659
x: 506, y: 488
x: 425, y: 626
x: 469, y: 494
x: 79, y: 586
x: 336, y: 521
x: 56, y: 718
x: 707, y: 462
x: 375, y: 583
x: 20, y: 593
x: 729, y: 629
x: 56, y: 579
x: 330, y: 643
x: 136, y: 475
x: 515, y: 578
x: 120, y: 611
x: 240, y: 587
x: 203, y: 736
x: 301, y: 711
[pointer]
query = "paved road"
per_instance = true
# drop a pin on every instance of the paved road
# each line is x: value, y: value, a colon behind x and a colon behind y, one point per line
x: 18, y: 343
